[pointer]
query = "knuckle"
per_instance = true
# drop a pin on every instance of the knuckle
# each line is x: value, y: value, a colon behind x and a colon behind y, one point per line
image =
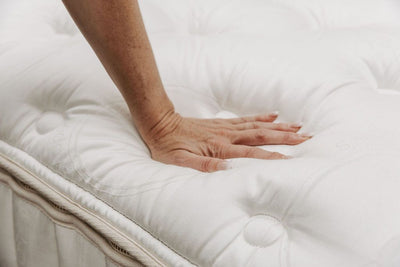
x: 215, y: 148
x: 260, y: 135
x: 206, y: 165
x: 220, y: 151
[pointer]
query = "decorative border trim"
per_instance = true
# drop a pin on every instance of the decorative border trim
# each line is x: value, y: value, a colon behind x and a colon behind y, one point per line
x: 65, y: 212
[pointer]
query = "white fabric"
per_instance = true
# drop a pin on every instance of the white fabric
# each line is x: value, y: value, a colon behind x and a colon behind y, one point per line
x: 334, y: 65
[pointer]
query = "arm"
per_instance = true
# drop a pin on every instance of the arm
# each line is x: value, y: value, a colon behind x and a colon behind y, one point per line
x: 115, y: 31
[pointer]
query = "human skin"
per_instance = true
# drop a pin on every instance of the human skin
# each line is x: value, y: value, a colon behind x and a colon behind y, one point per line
x: 115, y: 31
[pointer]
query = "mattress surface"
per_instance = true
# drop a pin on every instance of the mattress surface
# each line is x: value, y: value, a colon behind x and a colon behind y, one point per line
x: 333, y: 65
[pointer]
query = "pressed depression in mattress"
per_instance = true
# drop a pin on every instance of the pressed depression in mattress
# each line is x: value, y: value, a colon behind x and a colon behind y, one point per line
x: 333, y: 65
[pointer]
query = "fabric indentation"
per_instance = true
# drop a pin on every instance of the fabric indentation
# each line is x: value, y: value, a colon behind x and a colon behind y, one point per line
x: 263, y: 231
x: 49, y: 121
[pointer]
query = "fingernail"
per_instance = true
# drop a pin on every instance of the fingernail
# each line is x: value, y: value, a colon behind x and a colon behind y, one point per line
x: 274, y: 113
x: 296, y: 125
x: 287, y: 157
x: 304, y: 135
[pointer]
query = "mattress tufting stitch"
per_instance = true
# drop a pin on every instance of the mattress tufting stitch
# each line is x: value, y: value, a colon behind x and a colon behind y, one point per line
x: 333, y: 65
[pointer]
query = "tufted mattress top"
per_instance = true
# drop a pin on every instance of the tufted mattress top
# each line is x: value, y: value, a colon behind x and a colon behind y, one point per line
x: 332, y: 64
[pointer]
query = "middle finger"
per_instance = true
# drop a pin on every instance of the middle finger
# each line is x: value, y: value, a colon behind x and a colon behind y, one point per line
x: 287, y: 127
x: 257, y: 137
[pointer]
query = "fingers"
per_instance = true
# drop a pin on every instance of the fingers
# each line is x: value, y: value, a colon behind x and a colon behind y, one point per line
x: 259, y: 137
x: 209, y: 164
x: 287, y: 127
x: 262, y: 118
x: 200, y: 163
x: 241, y: 151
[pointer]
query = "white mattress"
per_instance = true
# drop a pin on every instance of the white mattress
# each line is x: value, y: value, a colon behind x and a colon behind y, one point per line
x: 333, y: 64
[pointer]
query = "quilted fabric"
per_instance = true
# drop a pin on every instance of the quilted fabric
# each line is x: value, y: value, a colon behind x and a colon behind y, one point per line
x: 332, y: 64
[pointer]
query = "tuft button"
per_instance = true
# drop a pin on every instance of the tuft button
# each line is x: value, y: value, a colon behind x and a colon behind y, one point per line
x: 49, y: 121
x: 263, y: 231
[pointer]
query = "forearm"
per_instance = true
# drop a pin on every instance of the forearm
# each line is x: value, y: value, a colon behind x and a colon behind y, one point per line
x: 116, y: 33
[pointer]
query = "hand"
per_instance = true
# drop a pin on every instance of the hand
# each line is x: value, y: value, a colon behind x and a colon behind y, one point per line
x: 203, y: 144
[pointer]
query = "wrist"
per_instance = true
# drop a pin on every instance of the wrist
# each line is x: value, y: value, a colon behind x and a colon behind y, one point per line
x: 154, y: 119
x: 164, y: 126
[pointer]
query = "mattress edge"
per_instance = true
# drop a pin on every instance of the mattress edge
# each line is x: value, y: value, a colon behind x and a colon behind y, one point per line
x: 104, y: 227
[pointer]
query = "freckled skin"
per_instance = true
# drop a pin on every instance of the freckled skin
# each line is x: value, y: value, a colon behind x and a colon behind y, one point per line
x: 115, y: 31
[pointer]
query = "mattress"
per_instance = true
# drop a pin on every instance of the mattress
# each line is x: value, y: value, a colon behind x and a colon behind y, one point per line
x: 72, y: 160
